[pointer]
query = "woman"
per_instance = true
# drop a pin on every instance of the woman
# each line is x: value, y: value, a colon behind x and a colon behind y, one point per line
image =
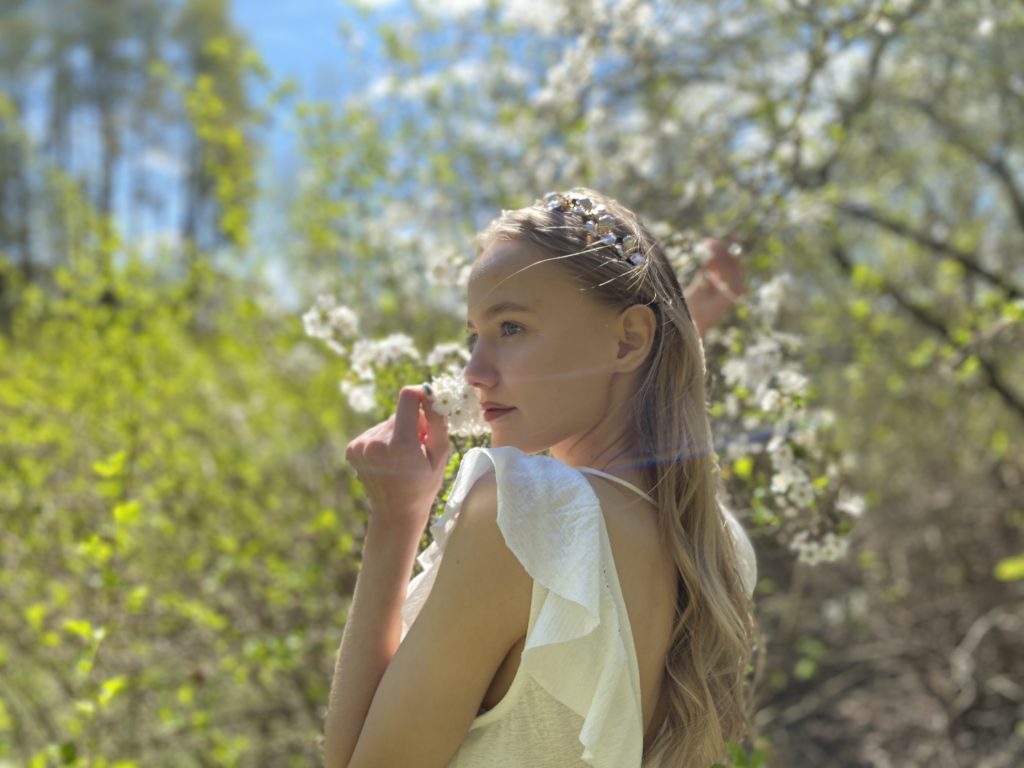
x: 592, y: 606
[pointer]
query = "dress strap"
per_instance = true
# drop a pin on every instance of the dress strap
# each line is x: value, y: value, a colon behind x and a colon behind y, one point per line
x: 619, y: 480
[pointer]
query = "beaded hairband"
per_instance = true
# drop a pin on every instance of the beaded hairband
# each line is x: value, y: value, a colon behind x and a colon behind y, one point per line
x: 597, y: 222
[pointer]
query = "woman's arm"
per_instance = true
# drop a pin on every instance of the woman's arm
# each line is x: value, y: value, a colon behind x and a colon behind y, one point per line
x: 401, y: 464
x: 717, y: 287
x: 372, y: 635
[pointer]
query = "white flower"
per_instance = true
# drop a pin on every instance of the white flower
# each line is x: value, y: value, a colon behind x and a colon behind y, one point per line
x: 769, y: 298
x: 739, y: 446
x: 451, y: 355
x: 771, y: 400
x: 850, y: 503
x: 368, y: 354
x: 824, y: 418
x: 702, y: 252
x: 442, y: 267
x: 787, y: 472
x: 462, y: 276
x: 791, y: 382
x: 734, y: 370
x: 732, y: 405
x: 781, y: 453
x: 328, y: 321
x: 830, y: 549
x: 762, y: 360
x: 835, y: 547
x: 802, y: 493
x: 361, y: 397
x: 457, y: 402
x: 884, y: 26
x: 986, y: 27
x: 833, y: 611
x: 780, y: 482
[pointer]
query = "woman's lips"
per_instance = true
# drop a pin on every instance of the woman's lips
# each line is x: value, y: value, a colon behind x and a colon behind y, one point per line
x: 490, y: 414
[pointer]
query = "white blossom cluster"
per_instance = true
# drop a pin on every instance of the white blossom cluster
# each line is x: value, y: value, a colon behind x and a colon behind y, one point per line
x: 754, y: 369
x: 367, y: 355
x: 336, y: 325
x: 766, y: 392
x: 361, y: 395
x: 769, y: 298
x: 459, y: 405
x: 850, y: 503
x: 790, y: 482
x: 828, y: 550
x: 449, y: 357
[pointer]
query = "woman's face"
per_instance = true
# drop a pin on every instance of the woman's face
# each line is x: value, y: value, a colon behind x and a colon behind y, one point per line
x: 540, y: 347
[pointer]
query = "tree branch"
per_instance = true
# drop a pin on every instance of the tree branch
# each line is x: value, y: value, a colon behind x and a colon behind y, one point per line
x: 995, y: 163
x: 993, y: 376
x: 967, y: 260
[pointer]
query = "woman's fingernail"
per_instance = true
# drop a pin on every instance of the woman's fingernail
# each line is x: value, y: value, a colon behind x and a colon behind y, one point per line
x: 428, y: 390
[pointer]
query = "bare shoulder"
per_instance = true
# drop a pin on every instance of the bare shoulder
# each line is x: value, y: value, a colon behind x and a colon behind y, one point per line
x: 477, y: 549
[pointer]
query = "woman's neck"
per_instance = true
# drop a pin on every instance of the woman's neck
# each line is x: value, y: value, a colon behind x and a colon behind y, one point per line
x: 618, y: 457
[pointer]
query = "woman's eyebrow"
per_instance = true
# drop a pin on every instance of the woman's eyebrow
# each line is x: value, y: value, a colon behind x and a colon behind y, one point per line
x: 504, y: 306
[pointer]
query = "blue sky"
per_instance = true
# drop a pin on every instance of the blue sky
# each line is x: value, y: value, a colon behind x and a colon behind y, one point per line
x: 300, y: 39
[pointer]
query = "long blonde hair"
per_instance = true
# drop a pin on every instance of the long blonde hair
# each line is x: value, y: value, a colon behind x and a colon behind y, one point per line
x: 714, y: 630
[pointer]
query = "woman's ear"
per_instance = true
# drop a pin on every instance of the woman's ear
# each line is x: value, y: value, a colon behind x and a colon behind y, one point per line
x: 635, y: 331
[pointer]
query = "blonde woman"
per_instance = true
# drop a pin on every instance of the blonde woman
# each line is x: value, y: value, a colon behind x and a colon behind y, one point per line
x: 586, y: 600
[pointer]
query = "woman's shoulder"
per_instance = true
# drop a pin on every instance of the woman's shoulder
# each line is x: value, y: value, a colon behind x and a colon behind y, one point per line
x: 532, y: 481
x: 519, y: 478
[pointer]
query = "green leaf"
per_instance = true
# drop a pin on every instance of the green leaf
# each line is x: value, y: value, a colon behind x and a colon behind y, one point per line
x: 110, y: 689
x: 860, y: 308
x: 923, y: 354
x: 95, y: 549
x: 79, y: 627
x: 35, y: 614
x: 1000, y: 443
x: 68, y: 752
x: 112, y: 466
x: 736, y: 753
x: 743, y: 467
x: 127, y: 512
x: 805, y: 669
x: 1010, y: 568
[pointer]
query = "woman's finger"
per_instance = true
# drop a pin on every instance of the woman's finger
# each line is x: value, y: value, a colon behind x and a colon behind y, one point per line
x: 436, y: 430
x: 407, y: 416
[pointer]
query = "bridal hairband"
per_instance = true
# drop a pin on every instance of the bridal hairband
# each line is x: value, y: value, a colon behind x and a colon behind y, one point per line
x: 599, y: 225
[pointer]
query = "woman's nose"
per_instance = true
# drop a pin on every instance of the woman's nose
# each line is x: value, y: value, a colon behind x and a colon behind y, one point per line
x: 478, y: 372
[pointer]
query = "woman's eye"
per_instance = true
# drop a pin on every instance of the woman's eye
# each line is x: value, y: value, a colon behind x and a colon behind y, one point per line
x: 471, y: 338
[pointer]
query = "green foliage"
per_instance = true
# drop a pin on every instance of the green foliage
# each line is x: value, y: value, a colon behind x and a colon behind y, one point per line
x: 1010, y: 568
x: 176, y: 526
x: 739, y: 757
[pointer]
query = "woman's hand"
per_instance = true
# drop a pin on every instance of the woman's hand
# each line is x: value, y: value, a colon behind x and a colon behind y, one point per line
x: 401, y: 462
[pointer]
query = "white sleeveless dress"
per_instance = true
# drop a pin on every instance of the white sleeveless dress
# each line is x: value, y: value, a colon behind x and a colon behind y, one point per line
x: 575, y: 699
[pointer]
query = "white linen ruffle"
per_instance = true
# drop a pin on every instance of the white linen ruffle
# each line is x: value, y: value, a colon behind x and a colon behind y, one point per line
x: 579, y: 646
x: 576, y: 647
